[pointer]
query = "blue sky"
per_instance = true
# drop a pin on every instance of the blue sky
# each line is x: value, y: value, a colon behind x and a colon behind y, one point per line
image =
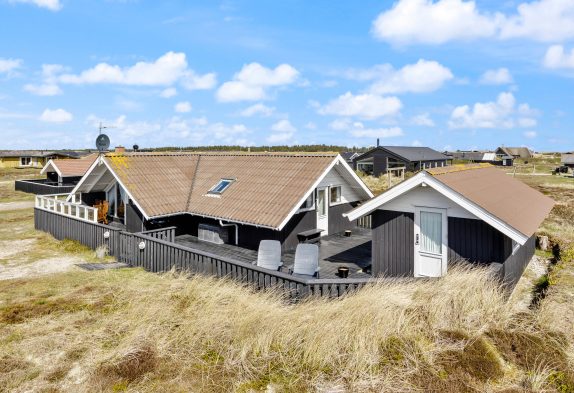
x: 450, y: 74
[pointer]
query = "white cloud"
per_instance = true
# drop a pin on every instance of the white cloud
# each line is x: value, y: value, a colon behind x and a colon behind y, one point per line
x: 310, y: 126
x: 416, y: 143
x: 438, y: 22
x: 43, y: 89
x: 340, y: 124
x: 257, y: 109
x: 180, y: 132
x: 530, y: 134
x: 367, y: 106
x: 52, y: 5
x: 182, y: 107
x: 49, y: 85
x: 423, y: 119
x: 253, y: 81
x: 542, y: 20
x: 556, y: 57
x: 359, y: 131
x: 193, y: 81
x: 421, y: 77
x: 429, y: 22
x: 501, y: 113
x: 165, y: 71
x: 168, y: 93
x: 283, y: 132
x: 500, y: 76
x: 56, y: 116
x: 7, y: 66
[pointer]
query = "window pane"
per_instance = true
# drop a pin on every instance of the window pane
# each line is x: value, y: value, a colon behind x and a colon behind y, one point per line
x: 431, y: 232
x: 336, y: 194
x: 322, y: 208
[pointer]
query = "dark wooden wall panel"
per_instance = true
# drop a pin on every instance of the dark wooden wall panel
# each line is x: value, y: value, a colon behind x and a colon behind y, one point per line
x: 338, y: 223
x: 515, y: 264
x: 475, y: 241
x: 393, y: 250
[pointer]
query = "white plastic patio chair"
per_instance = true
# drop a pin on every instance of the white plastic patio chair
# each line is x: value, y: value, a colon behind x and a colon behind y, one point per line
x: 269, y: 255
x: 306, y: 260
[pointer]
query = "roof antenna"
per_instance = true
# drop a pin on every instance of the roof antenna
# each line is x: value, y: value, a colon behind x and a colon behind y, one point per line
x: 103, y: 127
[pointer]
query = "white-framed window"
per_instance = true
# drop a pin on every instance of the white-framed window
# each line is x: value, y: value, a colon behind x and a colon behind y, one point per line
x: 25, y: 161
x: 335, y: 194
x: 221, y: 186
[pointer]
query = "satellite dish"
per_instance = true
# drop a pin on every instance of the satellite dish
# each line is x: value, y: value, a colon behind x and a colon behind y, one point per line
x: 102, y: 142
x: 136, y: 147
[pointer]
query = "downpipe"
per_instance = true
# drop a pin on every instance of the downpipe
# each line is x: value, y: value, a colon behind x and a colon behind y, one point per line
x: 236, y: 230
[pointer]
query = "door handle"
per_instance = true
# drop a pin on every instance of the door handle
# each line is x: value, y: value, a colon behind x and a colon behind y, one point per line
x: 417, y: 239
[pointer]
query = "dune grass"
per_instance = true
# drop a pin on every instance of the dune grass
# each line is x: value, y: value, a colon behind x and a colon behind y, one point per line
x: 134, y: 331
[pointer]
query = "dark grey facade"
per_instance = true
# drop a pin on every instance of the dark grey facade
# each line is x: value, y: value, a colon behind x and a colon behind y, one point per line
x: 384, y: 157
x: 392, y: 247
x: 468, y: 239
x: 249, y: 236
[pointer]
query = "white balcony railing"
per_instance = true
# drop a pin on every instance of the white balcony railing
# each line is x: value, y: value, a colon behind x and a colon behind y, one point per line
x: 57, y: 204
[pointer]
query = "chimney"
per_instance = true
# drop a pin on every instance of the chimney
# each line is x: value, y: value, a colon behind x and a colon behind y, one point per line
x: 120, y: 150
x: 378, y: 142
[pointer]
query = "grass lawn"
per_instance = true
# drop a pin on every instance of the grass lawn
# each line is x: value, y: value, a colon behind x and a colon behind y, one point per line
x: 128, y: 330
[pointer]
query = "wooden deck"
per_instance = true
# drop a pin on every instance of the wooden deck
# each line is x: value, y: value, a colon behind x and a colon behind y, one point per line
x: 334, y: 251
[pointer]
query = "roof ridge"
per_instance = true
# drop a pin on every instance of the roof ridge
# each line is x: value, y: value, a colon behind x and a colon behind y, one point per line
x: 227, y: 154
x: 457, y: 168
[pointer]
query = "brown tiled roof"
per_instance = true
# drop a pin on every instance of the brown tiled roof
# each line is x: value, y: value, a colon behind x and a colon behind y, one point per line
x: 77, y: 167
x: 267, y: 186
x: 505, y: 197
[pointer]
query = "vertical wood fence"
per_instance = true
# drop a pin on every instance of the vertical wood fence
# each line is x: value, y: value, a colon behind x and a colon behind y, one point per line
x: 151, y: 251
x: 42, y: 187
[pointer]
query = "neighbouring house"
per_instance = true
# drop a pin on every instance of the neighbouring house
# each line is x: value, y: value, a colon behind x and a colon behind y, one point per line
x: 348, y: 156
x: 379, y: 160
x: 567, y: 159
x: 61, y: 176
x: 463, y: 212
x: 232, y: 198
x: 514, y: 152
x: 476, y: 156
x: 61, y: 171
x: 31, y: 158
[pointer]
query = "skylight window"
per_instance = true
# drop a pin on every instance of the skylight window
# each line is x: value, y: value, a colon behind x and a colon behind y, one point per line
x: 221, y: 186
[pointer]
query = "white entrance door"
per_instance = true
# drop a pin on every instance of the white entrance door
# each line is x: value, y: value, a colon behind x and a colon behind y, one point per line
x: 431, y: 241
x: 323, y: 210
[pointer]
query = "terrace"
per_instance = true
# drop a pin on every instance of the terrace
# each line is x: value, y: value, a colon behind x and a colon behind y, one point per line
x: 335, y: 251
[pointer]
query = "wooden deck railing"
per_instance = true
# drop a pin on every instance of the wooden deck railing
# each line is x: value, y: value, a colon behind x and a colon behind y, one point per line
x: 157, y: 255
x: 167, y: 234
x: 71, y: 209
x: 365, y: 222
x: 90, y: 234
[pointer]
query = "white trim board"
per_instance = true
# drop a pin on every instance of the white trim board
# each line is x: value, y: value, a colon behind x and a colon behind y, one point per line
x: 338, y: 160
x: 431, y: 181
x: 55, y: 167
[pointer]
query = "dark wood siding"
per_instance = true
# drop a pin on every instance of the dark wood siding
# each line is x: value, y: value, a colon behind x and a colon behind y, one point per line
x: 338, y: 223
x: 249, y: 235
x: 134, y: 218
x: 393, y: 250
x: 298, y: 223
x: 475, y: 241
x: 515, y: 264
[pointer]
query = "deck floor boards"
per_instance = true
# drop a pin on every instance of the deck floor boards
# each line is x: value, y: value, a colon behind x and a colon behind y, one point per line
x: 335, y: 250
